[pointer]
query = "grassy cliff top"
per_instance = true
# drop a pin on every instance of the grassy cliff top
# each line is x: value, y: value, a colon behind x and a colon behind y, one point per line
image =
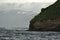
x: 50, y: 13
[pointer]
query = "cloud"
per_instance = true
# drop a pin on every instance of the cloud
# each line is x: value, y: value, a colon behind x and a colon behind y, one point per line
x: 23, y: 1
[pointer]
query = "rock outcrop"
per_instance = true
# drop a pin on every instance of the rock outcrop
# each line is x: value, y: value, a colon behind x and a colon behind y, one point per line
x: 48, y: 19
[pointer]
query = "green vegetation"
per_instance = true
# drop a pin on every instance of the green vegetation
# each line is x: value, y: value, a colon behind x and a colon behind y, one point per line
x: 52, y: 12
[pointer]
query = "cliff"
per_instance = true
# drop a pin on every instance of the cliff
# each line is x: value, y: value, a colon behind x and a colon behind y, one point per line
x: 48, y: 19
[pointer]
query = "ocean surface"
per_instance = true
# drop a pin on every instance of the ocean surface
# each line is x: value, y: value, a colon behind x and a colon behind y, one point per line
x: 28, y: 35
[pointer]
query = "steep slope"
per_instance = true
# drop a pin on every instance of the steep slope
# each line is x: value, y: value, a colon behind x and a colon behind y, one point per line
x: 48, y: 19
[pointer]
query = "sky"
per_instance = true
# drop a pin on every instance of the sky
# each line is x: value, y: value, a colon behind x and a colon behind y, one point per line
x: 24, y: 1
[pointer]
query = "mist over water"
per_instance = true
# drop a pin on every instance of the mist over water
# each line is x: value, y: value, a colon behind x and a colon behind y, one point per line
x: 17, y: 16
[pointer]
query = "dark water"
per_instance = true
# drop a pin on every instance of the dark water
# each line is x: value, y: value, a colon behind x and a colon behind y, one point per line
x: 28, y: 35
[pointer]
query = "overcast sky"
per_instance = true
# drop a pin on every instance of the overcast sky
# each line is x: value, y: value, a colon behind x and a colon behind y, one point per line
x: 23, y: 1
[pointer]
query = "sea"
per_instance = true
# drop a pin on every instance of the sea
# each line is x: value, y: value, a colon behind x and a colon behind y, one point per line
x: 28, y: 35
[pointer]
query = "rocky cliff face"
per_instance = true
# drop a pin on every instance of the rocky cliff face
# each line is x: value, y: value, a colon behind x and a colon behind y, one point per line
x: 48, y: 19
